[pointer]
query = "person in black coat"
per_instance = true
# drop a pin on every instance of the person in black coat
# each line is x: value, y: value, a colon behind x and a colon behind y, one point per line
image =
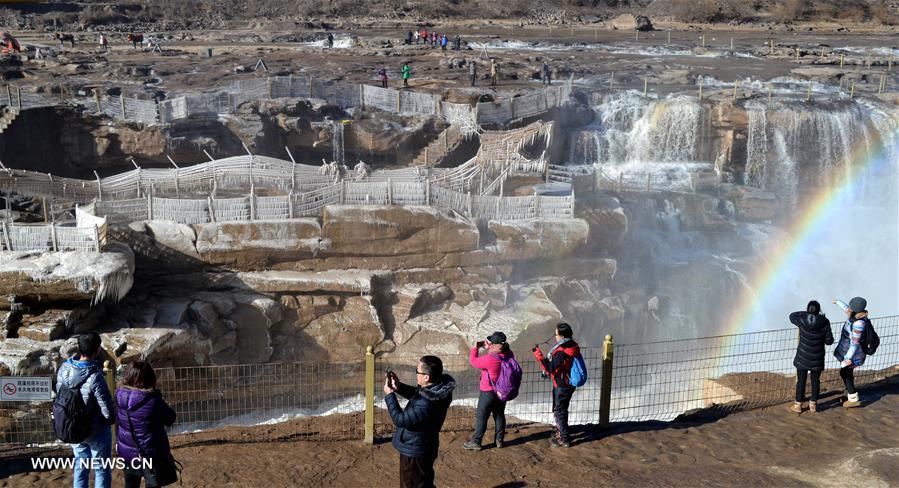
x: 814, y: 334
x: 417, y: 435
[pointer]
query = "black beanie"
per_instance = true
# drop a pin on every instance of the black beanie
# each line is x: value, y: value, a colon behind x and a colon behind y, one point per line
x: 858, y: 304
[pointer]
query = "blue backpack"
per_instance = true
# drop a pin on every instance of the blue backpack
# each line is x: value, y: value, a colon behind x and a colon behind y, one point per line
x: 578, y: 376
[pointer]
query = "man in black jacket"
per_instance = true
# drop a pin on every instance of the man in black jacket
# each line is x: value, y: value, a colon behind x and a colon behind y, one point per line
x: 417, y: 435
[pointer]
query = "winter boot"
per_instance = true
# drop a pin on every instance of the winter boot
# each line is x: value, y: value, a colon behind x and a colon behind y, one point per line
x: 813, y: 407
x: 853, y: 401
x: 796, y: 407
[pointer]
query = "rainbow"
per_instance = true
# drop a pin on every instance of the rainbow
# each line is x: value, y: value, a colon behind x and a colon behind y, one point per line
x: 806, y: 231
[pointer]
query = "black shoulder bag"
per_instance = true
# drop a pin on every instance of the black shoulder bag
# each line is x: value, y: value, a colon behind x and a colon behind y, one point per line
x: 165, y: 469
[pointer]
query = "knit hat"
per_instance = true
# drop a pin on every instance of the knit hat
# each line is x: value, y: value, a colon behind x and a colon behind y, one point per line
x: 497, y: 338
x: 858, y: 304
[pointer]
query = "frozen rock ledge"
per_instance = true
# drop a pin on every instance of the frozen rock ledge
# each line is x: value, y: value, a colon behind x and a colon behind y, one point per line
x: 66, y: 276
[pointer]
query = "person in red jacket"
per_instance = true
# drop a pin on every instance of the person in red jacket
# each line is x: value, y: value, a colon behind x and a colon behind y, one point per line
x: 558, y: 367
x: 489, y: 403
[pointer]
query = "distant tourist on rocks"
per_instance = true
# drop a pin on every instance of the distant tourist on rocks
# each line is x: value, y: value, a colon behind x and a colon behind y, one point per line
x: 547, y: 76
x: 849, y: 350
x: 407, y: 73
x: 814, y: 334
x: 136, y: 40
x: 382, y: 74
x: 443, y: 42
x: 493, y: 72
x: 409, y: 38
x: 81, y: 378
x: 417, y: 35
x: 500, y: 382
x: 417, y: 433
x: 330, y: 40
x: 104, y: 42
x: 424, y: 35
x: 433, y: 40
x: 472, y: 71
x: 457, y: 43
x: 70, y: 38
x: 142, y: 418
x: 559, y: 366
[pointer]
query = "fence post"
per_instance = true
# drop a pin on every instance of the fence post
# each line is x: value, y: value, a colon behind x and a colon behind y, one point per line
x: 342, y: 192
x: 53, y: 237
x: 19, y: 98
x: 97, y: 237
x: 109, y: 375
x: 427, y: 192
x: 97, y: 100
x: 469, y: 203
x: 398, y: 102
x: 269, y: 87
x: 211, y: 208
x: 369, y: 396
x: 6, y: 235
x: 99, y: 188
x: 290, y: 205
x: 8, y: 95
x: 605, y: 393
x: 149, y: 207
x: 252, y: 203
x: 122, y: 101
x: 389, y: 191
x: 361, y: 95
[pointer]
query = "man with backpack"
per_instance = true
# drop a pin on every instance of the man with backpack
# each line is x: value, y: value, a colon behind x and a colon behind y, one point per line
x: 566, y: 368
x: 500, y: 382
x: 84, y: 411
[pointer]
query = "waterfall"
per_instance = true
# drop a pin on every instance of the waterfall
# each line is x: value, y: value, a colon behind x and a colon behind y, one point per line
x: 633, y: 129
x: 794, y: 145
x: 337, y: 143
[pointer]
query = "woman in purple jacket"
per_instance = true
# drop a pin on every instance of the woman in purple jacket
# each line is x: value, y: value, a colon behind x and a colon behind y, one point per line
x: 142, y: 418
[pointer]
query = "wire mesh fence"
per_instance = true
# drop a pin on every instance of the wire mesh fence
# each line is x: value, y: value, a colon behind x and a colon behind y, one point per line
x: 662, y: 380
x: 650, y: 381
x: 206, y: 397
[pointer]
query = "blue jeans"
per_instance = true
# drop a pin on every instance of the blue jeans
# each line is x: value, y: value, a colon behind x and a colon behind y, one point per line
x: 97, y: 447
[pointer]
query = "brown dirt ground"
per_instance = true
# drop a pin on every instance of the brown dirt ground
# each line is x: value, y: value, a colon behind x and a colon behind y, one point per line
x: 765, y: 447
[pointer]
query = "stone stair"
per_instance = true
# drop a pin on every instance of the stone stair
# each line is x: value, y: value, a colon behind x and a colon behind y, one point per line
x: 9, y: 115
x: 439, y: 148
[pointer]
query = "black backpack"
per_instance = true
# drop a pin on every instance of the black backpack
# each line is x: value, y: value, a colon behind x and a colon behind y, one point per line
x: 71, y: 423
x: 870, y: 340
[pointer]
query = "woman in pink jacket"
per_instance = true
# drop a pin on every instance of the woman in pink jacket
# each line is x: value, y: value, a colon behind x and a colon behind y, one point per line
x: 488, y: 402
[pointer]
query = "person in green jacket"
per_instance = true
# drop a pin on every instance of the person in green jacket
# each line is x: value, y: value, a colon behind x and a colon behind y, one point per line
x: 407, y: 73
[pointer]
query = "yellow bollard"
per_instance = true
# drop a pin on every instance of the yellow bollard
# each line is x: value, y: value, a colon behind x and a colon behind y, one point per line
x: 369, y: 396
x: 770, y: 94
x: 700, y: 90
x: 852, y: 90
x: 736, y: 83
x: 772, y: 46
x: 883, y: 80
x: 797, y: 53
x: 645, y: 86
x: 841, y: 60
x: 109, y: 375
x: 669, y: 37
x: 731, y: 43
x: 605, y: 393
x: 611, y: 81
